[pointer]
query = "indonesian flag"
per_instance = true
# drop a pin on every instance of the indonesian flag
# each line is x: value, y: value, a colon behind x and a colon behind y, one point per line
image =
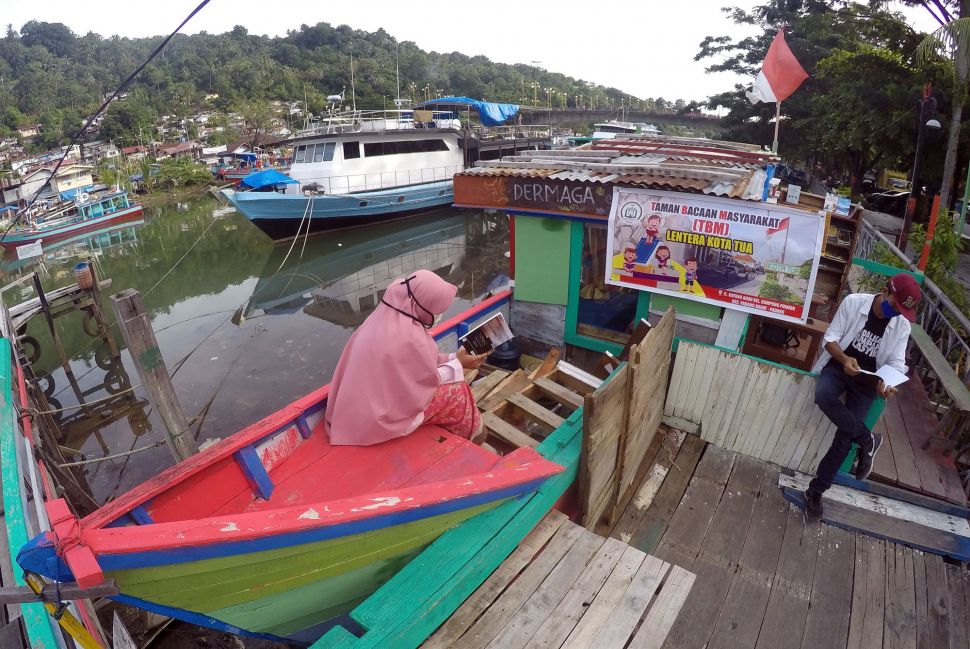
x: 782, y: 225
x: 780, y: 75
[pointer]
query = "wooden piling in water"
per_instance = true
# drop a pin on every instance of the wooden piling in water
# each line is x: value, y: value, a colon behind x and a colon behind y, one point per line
x: 129, y: 308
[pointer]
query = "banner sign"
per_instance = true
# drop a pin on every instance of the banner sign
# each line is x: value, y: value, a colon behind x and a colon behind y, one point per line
x: 543, y: 195
x: 747, y: 256
x: 30, y: 250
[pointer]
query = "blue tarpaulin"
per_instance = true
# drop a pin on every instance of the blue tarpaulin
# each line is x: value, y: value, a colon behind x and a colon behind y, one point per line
x: 71, y: 194
x: 490, y: 113
x: 268, y: 178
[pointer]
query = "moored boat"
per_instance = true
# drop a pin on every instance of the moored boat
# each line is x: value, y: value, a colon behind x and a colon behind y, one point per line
x: 273, y: 530
x: 69, y: 218
x: 358, y: 167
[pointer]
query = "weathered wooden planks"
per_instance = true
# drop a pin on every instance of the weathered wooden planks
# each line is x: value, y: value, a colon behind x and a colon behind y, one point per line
x: 931, y: 602
x: 739, y: 623
x: 756, y: 408
x: 579, y: 592
x: 885, y: 505
x: 827, y: 624
x: 791, y: 590
x: 604, y: 426
x: 868, y: 594
x: 482, y: 598
x: 888, y: 528
x: 649, y: 368
x: 648, y: 526
x: 718, y: 553
x: 900, y: 627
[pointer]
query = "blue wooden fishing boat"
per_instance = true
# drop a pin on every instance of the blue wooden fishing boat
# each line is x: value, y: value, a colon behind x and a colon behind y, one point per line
x: 88, y: 212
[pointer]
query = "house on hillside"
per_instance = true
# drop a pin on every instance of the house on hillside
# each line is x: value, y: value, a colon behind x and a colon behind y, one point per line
x: 10, y: 192
x: 69, y: 176
x: 135, y: 152
x: 72, y: 177
x: 96, y: 151
x: 178, y: 150
x: 29, y: 130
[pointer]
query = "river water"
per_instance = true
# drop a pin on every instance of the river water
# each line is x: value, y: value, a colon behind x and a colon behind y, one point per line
x: 244, y: 326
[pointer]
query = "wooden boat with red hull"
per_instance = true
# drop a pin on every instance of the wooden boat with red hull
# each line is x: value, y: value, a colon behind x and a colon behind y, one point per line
x: 273, y: 530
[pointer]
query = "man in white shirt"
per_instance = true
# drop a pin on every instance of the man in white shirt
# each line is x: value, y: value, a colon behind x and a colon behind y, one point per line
x: 868, y: 331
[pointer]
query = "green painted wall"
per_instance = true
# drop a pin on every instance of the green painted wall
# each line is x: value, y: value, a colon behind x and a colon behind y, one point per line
x: 541, y: 259
x: 660, y: 302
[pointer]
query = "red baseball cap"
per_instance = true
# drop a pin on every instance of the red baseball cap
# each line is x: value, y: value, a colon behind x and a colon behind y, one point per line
x: 907, y: 294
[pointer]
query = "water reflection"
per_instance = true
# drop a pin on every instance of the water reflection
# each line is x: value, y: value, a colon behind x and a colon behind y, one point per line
x: 241, y: 335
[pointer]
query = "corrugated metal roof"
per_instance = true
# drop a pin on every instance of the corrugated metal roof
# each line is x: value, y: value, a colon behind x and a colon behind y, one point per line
x: 682, y: 164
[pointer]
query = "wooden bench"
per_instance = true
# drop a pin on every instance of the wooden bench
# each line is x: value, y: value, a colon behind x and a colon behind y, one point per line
x: 944, y: 380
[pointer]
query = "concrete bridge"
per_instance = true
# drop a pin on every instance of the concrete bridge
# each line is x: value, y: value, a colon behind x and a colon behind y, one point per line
x: 543, y: 115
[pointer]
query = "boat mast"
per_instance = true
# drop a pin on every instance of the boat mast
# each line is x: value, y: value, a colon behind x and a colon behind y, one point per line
x: 397, y: 72
x: 353, y: 88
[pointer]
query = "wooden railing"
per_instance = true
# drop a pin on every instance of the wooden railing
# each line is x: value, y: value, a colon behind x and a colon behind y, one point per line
x: 937, y: 314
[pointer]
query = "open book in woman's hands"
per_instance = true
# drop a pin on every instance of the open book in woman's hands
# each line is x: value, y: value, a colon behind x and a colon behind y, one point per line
x: 488, y: 335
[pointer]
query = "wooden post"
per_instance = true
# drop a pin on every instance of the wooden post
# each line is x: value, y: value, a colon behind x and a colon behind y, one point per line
x: 129, y: 309
x: 930, y: 230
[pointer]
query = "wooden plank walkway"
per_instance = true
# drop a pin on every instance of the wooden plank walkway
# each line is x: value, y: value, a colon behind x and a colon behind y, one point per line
x: 567, y: 587
x: 906, y: 426
x: 766, y: 579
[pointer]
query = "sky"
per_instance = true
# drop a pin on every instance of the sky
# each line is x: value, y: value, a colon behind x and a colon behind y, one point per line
x: 644, y: 48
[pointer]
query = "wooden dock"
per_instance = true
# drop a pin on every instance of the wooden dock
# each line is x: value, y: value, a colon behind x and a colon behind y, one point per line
x: 565, y: 586
x: 906, y: 426
x: 766, y: 579
x: 767, y: 411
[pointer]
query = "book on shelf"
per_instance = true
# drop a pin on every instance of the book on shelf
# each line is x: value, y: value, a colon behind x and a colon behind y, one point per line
x: 488, y: 335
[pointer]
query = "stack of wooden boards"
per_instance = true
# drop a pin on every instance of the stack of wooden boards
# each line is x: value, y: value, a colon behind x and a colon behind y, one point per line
x: 521, y: 408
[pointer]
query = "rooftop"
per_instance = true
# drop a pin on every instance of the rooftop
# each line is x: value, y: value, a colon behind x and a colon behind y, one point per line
x: 663, y: 162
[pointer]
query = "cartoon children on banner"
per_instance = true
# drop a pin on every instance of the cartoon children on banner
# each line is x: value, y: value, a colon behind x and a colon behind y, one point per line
x: 662, y: 255
x: 690, y: 274
x: 650, y: 239
x: 629, y: 259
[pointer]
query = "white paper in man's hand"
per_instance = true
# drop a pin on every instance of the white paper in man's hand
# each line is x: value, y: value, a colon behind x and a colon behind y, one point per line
x: 889, y: 375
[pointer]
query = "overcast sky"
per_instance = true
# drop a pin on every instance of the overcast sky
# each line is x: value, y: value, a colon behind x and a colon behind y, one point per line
x: 644, y: 48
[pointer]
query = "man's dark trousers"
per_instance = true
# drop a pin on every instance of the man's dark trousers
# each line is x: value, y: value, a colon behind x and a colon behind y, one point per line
x: 850, y: 418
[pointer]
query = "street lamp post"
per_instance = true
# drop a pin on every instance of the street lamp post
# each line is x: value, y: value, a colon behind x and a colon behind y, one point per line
x: 926, y: 109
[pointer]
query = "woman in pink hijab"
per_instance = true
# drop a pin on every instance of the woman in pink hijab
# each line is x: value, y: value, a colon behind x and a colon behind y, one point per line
x: 391, y: 379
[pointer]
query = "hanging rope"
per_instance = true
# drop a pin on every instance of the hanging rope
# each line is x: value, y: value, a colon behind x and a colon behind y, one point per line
x: 202, y: 236
x: 308, y: 210
x: 113, y: 456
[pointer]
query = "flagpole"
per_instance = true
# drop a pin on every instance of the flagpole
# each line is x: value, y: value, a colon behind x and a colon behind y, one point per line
x: 774, y: 145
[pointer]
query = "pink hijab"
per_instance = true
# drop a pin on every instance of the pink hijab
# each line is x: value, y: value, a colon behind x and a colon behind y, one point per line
x: 387, y: 373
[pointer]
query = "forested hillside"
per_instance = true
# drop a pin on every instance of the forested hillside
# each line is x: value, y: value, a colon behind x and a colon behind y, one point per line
x: 51, y: 76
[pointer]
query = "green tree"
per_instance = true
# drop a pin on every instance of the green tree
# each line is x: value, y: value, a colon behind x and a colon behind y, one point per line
x: 258, y: 118
x: 828, y: 38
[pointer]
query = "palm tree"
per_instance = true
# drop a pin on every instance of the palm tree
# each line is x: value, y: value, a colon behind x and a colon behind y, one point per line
x: 951, y: 42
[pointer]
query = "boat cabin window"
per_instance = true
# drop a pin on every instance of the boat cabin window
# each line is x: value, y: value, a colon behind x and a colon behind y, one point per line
x: 322, y: 152
x: 609, y: 128
x: 351, y: 150
x: 404, y: 146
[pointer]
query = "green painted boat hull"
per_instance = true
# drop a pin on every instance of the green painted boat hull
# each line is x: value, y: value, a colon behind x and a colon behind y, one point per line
x: 282, y: 591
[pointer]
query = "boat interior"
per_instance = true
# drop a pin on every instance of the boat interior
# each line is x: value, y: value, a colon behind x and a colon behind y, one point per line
x: 302, y: 471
